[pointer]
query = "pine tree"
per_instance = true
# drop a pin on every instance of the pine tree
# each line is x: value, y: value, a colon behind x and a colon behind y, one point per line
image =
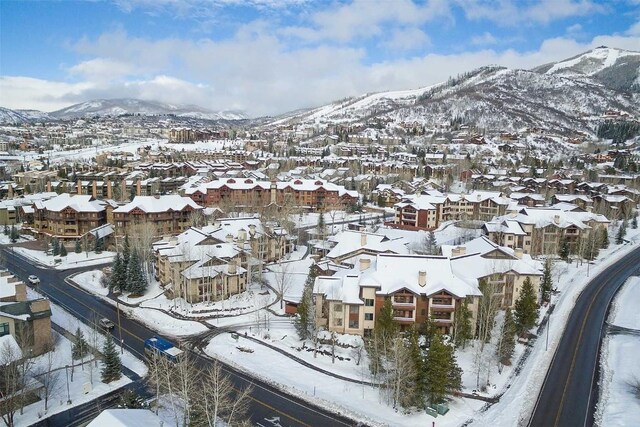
x: 526, y: 308
x: 14, y: 235
x: 620, y: 234
x: 78, y: 248
x: 136, y: 280
x: 130, y: 400
x: 126, y: 250
x: 305, y: 313
x: 6, y: 230
x: 112, y: 367
x: 634, y: 221
x: 432, y: 244
x: 507, y: 343
x: 80, y: 347
x: 55, y: 247
x: 462, y: 327
x: 564, y: 249
x: 546, y: 285
x: 418, y: 359
x: 442, y: 374
x: 63, y: 250
x: 321, y: 225
x: 98, y: 244
x: 118, y: 280
x: 386, y: 327
x: 604, y: 238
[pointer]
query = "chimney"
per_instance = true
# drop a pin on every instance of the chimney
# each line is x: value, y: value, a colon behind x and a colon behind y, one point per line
x: 458, y: 251
x: 242, y: 234
x: 232, y: 267
x: 229, y: 238
x: 518, y: 252
x: 123, y: 190
x: 109, y: 190
x: 139, y: 187
x: 273, y: 192
x: 79, y: 187
x: 365, y: 263
x: 422, y: 278
x: 363, y: 239
x: 94, y: 189
x: 49, y: 190
x: 556, y: 219
x: 252, y: 229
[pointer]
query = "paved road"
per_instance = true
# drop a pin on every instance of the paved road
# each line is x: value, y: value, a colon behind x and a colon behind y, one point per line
x: 269, y: 406
x: 569, y: 393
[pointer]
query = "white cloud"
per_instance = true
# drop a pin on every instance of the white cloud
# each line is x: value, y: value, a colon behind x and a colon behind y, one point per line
x: 406, y: 39
x: 515, y: 12
x: 634, y: 30
x: 485, y: 39
x: 257, y: 72
x: 574, y: 29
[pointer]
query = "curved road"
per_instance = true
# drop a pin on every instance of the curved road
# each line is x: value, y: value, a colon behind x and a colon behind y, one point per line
x: 570, y: 392
x: 269, y: 406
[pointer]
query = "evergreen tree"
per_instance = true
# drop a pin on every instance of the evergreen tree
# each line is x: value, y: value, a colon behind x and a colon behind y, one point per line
x: 442, y: 374
x: 386, y: 327
x: 80, y: 347
x: 462, y: 327
x: 507, y: 342
x: 136, y: 280
x: 546, y: 285
x: 564, y: 249
x: 305, y: 313
x: 432, y: 244
x: 55, y: 247
x: 98, y: 245
x: 112, y: 367
x: 6, y: 230
x: 418, y: 359
x: 78, y: 248
x: 126, y: 250
x: 622, y: 231
x: 321, y: 225
x: 604, y: 238
x: 63, y: 250
x: 118, y: 275
x: 526, y: 308
x: 634, y: 221
x: 130, y: 400
x: 14, y: 235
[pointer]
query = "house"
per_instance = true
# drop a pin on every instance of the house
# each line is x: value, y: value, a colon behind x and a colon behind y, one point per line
x: 126, y: 418
x: 28, y: 321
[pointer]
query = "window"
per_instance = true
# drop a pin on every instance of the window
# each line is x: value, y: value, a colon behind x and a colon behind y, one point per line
x: 368, y: 302
x: 337, y: 308
x: 4, y: 329
x: 353, y: 324
x: 353, y: 309
x: 337, y: 322
x: 368, y: 316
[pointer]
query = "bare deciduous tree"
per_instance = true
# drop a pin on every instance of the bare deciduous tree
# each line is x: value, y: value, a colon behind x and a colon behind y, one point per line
x: 49, y: 378
x: 11, y: 382
x: 283, y: 280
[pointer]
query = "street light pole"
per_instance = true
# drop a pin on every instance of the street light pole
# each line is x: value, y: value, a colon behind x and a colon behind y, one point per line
x: 66, y: 369
x: 119, y: 324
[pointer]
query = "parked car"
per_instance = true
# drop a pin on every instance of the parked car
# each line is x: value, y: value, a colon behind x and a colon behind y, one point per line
x: 34, y: 280
x: 106, y: 323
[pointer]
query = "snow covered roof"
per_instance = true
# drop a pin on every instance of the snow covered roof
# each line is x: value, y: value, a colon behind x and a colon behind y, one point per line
x: 350, y: 241
x: 152, y: 204
x: 79, y: 203
x: 126, y: 418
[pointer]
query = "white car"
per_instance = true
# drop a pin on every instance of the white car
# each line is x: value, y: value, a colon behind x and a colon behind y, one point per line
x: 106, y: 323
x: 34, y: 280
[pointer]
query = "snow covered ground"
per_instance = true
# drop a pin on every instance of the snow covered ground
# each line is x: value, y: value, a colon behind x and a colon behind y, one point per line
x: 72, y: 260
x: 517, y: 402
x: 91, y: 281
x: 360, y: 402
x: 618, y: 405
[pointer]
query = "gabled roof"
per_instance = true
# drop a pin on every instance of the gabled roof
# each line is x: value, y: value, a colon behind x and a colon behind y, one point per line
x: 152, y: 204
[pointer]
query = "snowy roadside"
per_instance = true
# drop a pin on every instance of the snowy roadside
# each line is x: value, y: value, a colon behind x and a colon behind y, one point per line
x: 517, y: 402
x: 617, y: 404
x: 71, y: 260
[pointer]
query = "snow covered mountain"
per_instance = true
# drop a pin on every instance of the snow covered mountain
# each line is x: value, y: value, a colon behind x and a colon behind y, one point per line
x: 615, y: 68
x: 497, y: 98
x: 14, y: 117
x: 119, y: 107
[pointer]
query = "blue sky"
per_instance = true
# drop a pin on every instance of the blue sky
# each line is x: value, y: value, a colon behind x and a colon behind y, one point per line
x: 271, y: 56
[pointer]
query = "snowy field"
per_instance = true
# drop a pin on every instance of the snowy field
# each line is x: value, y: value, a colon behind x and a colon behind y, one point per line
x: 72, y: 260
x: 91, y: 281
x: 618, y: 406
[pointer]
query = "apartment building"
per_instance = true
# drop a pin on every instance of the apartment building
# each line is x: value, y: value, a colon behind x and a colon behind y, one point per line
x: 248, y: 192
x: 170, y: 214
x: 65, y: 216
x: 540, y: 231
x: 420, y: 287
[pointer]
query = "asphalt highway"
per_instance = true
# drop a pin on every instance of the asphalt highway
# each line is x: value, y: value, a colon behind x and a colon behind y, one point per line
x: 269, y: 407
x: 570, y: 389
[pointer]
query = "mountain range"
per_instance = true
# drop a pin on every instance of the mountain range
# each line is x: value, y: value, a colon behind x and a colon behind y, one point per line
x: 118, y: 107
x: 561, y: 97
